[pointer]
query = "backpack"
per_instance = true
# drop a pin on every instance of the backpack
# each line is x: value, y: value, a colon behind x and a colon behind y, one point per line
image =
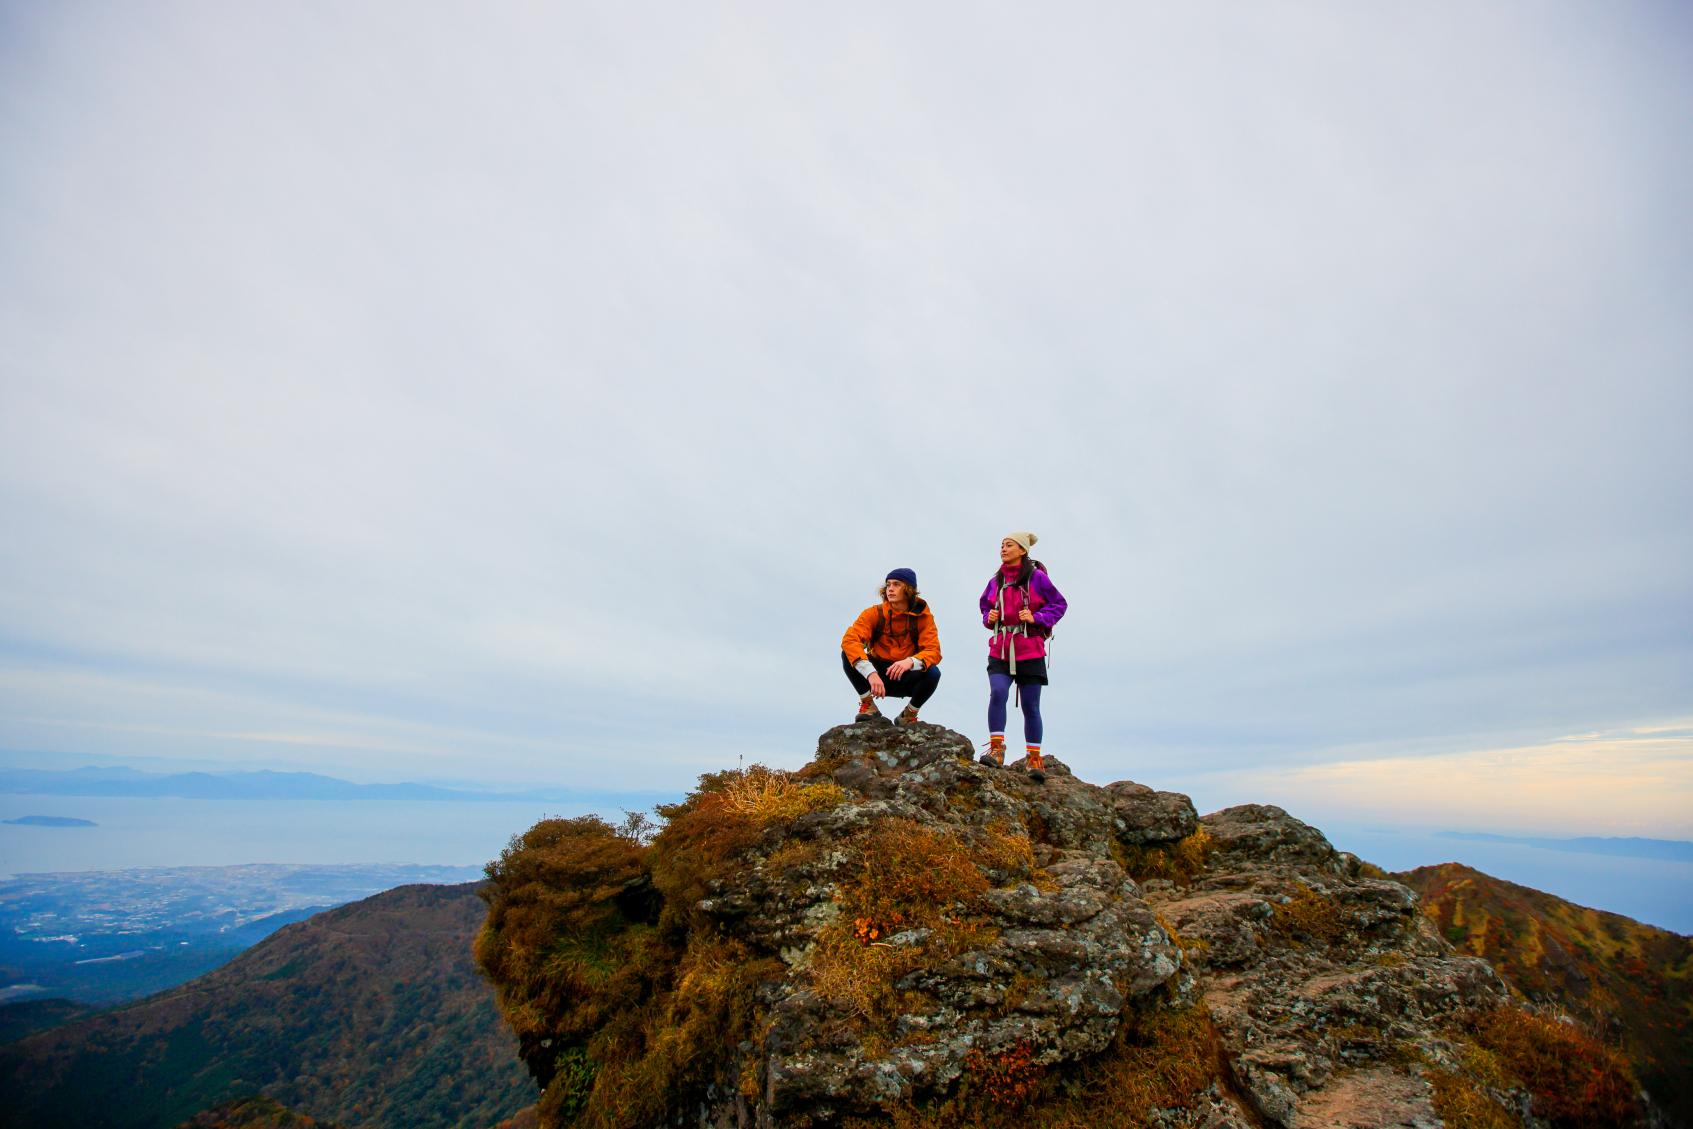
x: 1032, y: 566
x: 884, y: 621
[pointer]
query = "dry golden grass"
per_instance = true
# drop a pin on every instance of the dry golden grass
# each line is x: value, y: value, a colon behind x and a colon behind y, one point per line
x: 562, y: 920
x: 904, y: 876
x: 859, y: 976
x: 796, y: 854
x: 674, y: 1044
x: 915, y: 873
x: 1308, y: 916
x: 595, y: 944
x: 1179, y: 862
x: 1160, y: 1060
x: 1009, y: 850
x: 965, y: 795
x: 1461, y: 1104
x: 1576, y: 1081
x: 766, y: 795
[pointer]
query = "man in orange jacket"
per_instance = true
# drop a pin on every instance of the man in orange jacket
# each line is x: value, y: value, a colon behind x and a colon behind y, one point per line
x: 892, y: 649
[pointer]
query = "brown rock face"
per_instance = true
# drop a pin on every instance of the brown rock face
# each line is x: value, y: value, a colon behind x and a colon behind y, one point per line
x: 1329, y: 989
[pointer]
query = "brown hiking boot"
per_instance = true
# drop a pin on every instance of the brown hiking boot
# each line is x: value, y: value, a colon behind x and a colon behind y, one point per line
x: 1035, y: 766
x: 867, y: 710
x: 996, y: 752
x: 907, y: 716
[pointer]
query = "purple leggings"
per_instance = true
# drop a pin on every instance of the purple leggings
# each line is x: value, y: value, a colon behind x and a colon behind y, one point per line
x: 999, y: 689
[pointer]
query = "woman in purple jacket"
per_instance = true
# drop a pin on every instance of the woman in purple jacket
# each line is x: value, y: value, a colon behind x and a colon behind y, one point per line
x: 1020, y: 606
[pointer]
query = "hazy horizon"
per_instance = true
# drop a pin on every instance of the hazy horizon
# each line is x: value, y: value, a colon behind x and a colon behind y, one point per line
x: 174, y: 831
x: 546, y: 792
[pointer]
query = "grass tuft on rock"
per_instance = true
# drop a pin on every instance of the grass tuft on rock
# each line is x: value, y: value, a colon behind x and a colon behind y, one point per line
x: 767, y: 795
x: 1160, y: 1059
x: 1308, y: 916
x: 1179, y: 862
x: 908, y: 898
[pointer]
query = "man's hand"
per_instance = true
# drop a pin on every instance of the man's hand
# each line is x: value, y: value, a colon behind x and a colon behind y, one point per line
x: 877, y: 690
x: 1026, y: 616
x: 899, y: 669
x: 993, y: 616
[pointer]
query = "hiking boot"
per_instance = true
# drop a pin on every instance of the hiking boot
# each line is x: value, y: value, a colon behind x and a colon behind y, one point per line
x: 867, y: 710
x: 995, y: 755
x: 907, y: 716
x: 1035, y: 766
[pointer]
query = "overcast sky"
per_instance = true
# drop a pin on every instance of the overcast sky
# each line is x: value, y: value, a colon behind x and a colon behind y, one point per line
x: 517, y: 392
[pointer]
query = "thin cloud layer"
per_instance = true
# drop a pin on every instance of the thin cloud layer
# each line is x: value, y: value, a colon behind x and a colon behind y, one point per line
x: 544, y: 392
x: 1612, y: 784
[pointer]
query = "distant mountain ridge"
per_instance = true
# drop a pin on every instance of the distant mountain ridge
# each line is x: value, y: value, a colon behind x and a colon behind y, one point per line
x: 266, y: 784
x: 1674, y: 850
x: 49, y: 821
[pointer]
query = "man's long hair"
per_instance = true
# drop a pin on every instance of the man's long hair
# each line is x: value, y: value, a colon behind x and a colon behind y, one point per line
x: 913, y: 595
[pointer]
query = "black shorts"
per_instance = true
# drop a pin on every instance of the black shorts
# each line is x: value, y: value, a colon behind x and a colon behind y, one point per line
x: 1030, y: 672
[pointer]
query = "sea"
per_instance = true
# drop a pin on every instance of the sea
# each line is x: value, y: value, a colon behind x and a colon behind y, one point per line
x: 168, y: 831
x: 139, y: 832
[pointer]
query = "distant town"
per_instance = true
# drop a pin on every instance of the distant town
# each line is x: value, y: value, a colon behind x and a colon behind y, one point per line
x: 106, y: 936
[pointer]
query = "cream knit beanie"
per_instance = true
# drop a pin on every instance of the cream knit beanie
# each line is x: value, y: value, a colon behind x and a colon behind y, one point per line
x: 1024, y: 538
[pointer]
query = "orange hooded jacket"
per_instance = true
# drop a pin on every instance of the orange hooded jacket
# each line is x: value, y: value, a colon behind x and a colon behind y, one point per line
x: 881, y: 633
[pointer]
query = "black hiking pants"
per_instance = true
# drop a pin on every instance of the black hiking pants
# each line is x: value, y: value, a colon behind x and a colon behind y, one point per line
x: 918, y: 685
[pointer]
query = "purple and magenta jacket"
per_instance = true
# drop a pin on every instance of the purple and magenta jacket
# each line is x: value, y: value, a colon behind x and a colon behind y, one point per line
x: 1044, y: 599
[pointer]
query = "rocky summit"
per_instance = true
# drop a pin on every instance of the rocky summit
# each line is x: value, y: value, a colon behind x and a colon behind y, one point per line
x: 898, y: 935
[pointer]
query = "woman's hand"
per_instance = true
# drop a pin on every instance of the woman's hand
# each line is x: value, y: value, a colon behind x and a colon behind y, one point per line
x: 1026, y: 616
x: 898, y: 670
x: 993, y: 617
x: 877, y: 689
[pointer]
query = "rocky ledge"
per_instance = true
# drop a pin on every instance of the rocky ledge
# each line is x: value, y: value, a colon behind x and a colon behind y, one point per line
x: 896, y: 934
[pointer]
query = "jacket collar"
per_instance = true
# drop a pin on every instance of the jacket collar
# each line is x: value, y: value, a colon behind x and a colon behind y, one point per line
x: 1024, y: 572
